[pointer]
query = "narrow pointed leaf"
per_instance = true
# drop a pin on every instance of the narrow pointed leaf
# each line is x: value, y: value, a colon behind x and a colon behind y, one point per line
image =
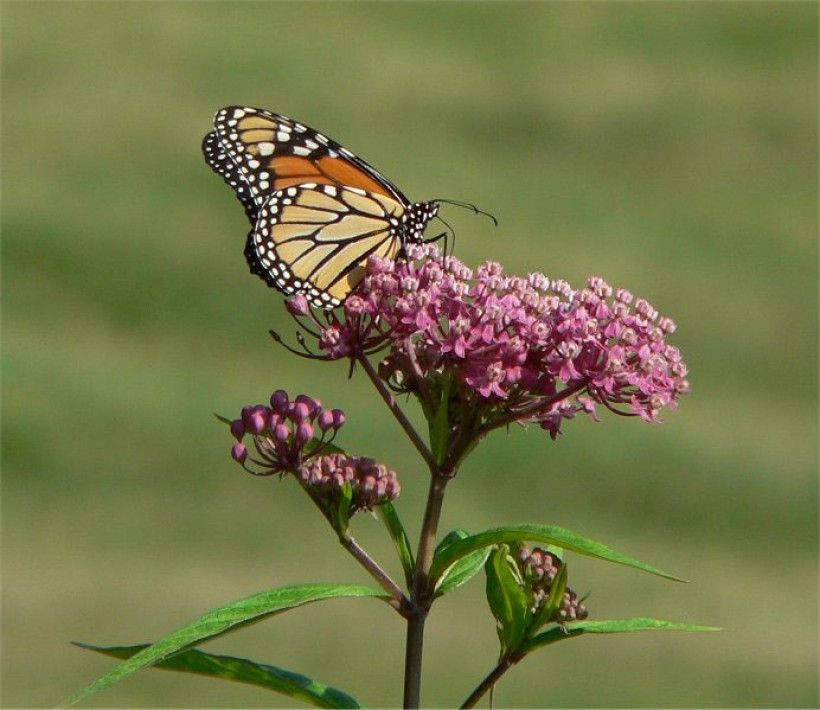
x: 617, y: 626
x: 242, y: 670
x: 549, y: 534
x: 397, y: 533
x: 341, y: 513
x: 327, y: 447
x: 464, y: 569
x: 222, y: 620
x: 507, y: 598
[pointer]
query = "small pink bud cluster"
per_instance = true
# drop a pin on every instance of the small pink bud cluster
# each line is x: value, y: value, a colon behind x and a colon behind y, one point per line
x: 283, y: 434
x: 356, y: 331
x: 522, y: 349
x: 539, y: 569
x: 373, y: 484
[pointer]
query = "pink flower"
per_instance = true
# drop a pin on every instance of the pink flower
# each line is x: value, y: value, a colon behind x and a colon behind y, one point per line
x: 284, y: 434
x: 538, y: 569
x: 519, y: 349
x: 372, y: 484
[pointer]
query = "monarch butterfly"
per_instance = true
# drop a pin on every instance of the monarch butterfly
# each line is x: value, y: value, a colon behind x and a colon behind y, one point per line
x: 318, y: 211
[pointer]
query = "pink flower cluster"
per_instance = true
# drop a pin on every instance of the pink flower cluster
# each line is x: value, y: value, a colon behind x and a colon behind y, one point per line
x: 284, y: 434
x: 538, y: 569
x: 521, y: 348
x: 372, y: 483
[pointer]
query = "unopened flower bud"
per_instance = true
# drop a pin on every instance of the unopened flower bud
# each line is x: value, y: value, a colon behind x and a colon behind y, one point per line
x: 338, y: 418
x: 279, y: 401
x: 237, y: 429
x: 282, y: 432
x: 298, y: 305
x: 304, y: 432
x: 325, y: 420
x: 239, y: 453
x: 256, y: 422
x: 309, y: 402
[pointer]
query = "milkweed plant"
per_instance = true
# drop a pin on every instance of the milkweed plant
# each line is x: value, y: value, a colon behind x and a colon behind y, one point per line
x: 477, y: 351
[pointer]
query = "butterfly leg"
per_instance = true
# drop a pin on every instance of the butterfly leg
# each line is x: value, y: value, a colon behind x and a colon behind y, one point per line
x: 445, y: 236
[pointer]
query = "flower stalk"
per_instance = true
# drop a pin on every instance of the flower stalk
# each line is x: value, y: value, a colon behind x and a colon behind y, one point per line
x: 479, y: 350
x: 394, y: 408
x: 421, y: 593
x: 490, y: 680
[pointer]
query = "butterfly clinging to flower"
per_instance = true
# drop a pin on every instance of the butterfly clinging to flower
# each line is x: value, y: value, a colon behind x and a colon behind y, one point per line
x: 318, y: 211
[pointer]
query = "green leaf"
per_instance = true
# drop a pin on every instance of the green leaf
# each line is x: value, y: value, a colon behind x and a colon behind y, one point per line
x: 451, y: 537
x: 340, y: 514
x: 440, y: 424
x: 549, y: 534
x: 224, y: 420
x: 507, y: 598
x: 327, y: 448
x: 222, y: 620
x: 618, y: 626
x: 398, y: 535
x: 242, y: 670
x: 464, y: 569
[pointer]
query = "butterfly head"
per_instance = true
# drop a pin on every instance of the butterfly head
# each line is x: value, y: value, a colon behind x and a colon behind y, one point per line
x: 415, y: 220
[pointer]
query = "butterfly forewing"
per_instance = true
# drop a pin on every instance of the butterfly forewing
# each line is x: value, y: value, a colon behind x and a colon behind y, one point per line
x: 221, y: 164
x: 273, y: 152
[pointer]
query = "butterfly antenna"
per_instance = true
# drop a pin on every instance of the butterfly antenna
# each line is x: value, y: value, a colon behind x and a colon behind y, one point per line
x: 467, y: 205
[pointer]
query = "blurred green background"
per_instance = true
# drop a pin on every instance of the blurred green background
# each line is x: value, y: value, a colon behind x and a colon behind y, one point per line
x: 670, y: 148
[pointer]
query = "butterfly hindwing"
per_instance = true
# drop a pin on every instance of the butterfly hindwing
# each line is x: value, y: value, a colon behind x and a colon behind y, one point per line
x: 316, y: 238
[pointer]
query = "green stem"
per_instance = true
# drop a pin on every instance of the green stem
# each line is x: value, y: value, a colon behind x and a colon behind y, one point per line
x: 421, y: 592
x: 533, y: 409
x: 421, y: 447
x: 412, y: 658
x: 429, y: 528
x: 487, y: 684
x: 399, y: 601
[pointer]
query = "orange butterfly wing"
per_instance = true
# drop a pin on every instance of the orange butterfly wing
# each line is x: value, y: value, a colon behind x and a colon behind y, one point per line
x: 272, y: 152
x: 318, y: 210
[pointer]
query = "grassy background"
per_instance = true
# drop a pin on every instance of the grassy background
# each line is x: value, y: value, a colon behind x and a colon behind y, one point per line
x: 670, y: 148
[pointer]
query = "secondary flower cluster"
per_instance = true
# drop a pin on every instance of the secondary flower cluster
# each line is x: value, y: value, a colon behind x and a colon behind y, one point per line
x: 284, y: 434
x: 372, y: 484
x: 521, y: 348
x: 539, y: 569
x: 294, y: 437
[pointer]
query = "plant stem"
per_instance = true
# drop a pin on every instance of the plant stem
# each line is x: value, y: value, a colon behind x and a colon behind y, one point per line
x: 412, y: 658
x: 421, y: 592
x: 398, y: 601
x: 429, y: 528
x: 492, y: 678
x: 532, y: 409
x: 375, y: 569
x: 421, y: 447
